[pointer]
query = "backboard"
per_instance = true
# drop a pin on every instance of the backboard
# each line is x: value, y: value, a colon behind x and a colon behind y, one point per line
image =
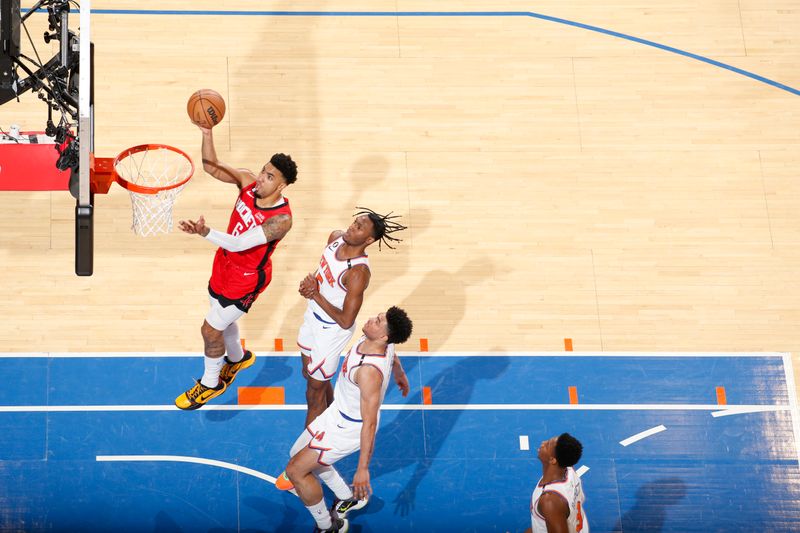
x: 84, y: 209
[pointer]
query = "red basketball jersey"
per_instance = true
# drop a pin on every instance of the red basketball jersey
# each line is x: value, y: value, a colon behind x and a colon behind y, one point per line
x: 246, y: 214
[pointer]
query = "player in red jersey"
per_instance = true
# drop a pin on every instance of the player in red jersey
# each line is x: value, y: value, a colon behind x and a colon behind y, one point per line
x: 242, y: 265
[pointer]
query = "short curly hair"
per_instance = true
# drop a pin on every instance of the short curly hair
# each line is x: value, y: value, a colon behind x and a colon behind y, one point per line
x: 287, y: 167
x: 398, y: 324
x: 568, y: 450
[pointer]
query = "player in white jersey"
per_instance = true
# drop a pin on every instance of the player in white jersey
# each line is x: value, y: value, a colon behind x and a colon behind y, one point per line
x: 335, y: 293
x: 349, y: 424
x: 557, y: 501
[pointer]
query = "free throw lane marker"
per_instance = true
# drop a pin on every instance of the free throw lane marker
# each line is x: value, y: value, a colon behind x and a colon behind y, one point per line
x: 573, y: 395
x: 722, y: 398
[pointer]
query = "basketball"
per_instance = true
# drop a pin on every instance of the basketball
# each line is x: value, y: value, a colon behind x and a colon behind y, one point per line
x: 206, y: 108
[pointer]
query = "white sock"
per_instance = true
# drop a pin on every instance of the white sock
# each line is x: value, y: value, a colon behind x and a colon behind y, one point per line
x: 212, y: 367
x: 321, y: 514
x: 331, y: 477
x: 233, y: 343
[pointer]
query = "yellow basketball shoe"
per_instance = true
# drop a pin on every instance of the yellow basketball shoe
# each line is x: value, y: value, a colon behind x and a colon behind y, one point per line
x: 197, y: 396
x: 229, y: 370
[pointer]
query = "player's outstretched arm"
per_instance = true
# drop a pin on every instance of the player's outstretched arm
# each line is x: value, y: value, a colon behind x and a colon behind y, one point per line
x: 274, y: 228
x: 222, y: 171
x: 555, y: 512
x: 369, y: 381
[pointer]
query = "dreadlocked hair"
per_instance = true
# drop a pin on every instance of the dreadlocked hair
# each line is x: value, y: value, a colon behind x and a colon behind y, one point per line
x: 382, y: 226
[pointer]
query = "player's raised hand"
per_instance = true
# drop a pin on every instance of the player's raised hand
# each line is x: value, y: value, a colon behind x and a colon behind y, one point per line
x: 192, y: 227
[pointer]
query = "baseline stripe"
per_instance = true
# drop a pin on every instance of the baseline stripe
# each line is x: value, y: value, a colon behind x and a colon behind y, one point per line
x: 404, y: 407
x: 530, y: 14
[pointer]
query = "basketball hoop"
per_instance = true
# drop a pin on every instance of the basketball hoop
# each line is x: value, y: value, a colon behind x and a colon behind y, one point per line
x: 154, y: 174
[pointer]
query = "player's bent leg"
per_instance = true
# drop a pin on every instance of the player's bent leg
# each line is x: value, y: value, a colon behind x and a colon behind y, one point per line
x: 234, y: 350
x: 214, y: 350
x: 316, y: 398
x: 209, y: 386
x: 329, y: 395
x: 300, y: 471
x: 283, y: 482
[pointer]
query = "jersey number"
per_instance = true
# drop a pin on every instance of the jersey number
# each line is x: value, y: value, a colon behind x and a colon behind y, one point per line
x: 579, y: 523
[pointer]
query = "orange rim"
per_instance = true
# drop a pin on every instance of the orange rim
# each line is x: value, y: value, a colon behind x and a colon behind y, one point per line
x: 142, y: 189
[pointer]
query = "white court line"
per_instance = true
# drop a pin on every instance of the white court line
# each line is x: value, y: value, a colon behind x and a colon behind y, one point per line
x: 293, y: 353
x: 186, y: 459
x: 791, y: 389
x: 399, y: 407
x: 523, y: 443
x: 643, y: 435
x: 744, y: 410
x: 582, y: 470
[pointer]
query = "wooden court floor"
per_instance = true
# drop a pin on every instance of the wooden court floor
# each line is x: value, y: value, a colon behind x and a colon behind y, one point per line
x: 557, y: 182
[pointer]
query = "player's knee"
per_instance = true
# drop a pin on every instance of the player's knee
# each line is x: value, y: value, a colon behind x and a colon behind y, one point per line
x: 293, y: 471
x: 209, y: 333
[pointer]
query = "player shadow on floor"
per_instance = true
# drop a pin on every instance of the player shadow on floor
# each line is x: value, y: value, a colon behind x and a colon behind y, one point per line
x: 652, y: 505
x: 439, y: 302
x: 395, y: 451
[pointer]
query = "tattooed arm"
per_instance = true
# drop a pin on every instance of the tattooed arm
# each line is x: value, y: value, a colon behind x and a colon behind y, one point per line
x: 273, y: 229
x: 277, y: 227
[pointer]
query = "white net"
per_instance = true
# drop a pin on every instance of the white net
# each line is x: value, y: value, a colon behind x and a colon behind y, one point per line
x: 157, y: 167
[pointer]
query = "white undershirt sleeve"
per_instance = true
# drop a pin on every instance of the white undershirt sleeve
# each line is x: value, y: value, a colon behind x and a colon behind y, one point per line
x: 239, y: 243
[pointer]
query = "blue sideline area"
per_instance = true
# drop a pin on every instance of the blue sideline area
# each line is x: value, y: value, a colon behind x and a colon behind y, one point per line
x: 453, y: 466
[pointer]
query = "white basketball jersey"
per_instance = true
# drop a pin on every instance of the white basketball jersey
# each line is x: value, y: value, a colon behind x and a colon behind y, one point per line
x: 329, y: 277
x: 569, y: 488
x: 346, y: 394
